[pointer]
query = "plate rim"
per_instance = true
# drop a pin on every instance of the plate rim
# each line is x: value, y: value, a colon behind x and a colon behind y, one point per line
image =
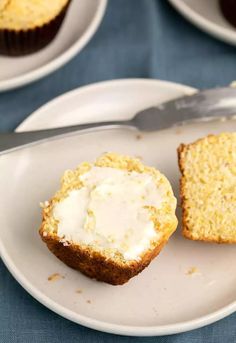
x: 98, y: 85
x: 217, y: 31
x: 61, y: 59
x: 137, y: 331
x: 94, y: 323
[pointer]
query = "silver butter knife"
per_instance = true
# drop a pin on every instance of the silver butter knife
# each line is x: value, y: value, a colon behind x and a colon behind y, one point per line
x: 203, y: 105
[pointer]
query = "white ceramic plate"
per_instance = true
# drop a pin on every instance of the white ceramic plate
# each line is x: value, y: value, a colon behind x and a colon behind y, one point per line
x: 164, y: 298
x: 206, y: 15
x: 81, y: 22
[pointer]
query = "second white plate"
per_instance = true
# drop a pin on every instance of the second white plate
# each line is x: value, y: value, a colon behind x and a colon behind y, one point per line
x: 81, y: 22
x: 169, y: 296
x: 207, y: 16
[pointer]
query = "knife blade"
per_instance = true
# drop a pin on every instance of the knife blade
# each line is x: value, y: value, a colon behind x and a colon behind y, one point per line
x: 203, y: 105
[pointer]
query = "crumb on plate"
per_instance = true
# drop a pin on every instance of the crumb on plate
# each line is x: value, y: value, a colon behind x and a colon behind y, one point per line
x: 139, y: 136
x: 55, y: 277
x: 192, y: 271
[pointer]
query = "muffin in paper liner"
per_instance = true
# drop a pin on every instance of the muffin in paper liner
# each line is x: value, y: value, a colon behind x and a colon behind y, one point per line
x: 228, y: 8
x: 26, y: 40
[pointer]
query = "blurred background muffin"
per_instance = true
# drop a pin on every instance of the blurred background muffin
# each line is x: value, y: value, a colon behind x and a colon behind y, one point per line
x: 26, y: 26
x: 228, y: 8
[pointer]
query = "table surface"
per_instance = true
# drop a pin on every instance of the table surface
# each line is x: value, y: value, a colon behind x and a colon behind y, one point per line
x: 145, y: 39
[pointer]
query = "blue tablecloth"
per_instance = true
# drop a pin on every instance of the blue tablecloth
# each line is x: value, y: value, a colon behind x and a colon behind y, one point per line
x: 142, y: 38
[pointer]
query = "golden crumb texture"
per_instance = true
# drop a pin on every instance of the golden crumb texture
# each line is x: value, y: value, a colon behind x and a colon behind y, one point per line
x: 29, y: 14
x: 208, y: 188
x: 99, y: 264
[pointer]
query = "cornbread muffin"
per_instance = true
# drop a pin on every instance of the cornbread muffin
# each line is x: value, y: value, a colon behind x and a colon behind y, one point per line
x: 28, y: 25
x: 208, y: 188
x: 228, y: 9
x: 110, y: 219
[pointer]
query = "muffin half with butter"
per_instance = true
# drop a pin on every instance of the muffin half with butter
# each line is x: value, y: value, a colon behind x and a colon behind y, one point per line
x: 110, y: 218
x: 26, y: 26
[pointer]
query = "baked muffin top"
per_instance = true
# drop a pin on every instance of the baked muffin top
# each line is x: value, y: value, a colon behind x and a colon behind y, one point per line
x: 117, y: 207
x: 28, y: 14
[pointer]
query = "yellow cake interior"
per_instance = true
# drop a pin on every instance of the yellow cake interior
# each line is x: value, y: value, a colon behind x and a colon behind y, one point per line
x: 28, y: 14
x: 208, y: 188
x: 162, y: 216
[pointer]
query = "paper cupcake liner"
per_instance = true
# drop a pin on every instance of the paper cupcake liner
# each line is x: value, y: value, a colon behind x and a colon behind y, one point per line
x: 24, y: 42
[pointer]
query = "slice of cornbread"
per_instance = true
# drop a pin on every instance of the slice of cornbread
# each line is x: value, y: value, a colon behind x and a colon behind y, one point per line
x: 110, y: 218
x: 208, y: 188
